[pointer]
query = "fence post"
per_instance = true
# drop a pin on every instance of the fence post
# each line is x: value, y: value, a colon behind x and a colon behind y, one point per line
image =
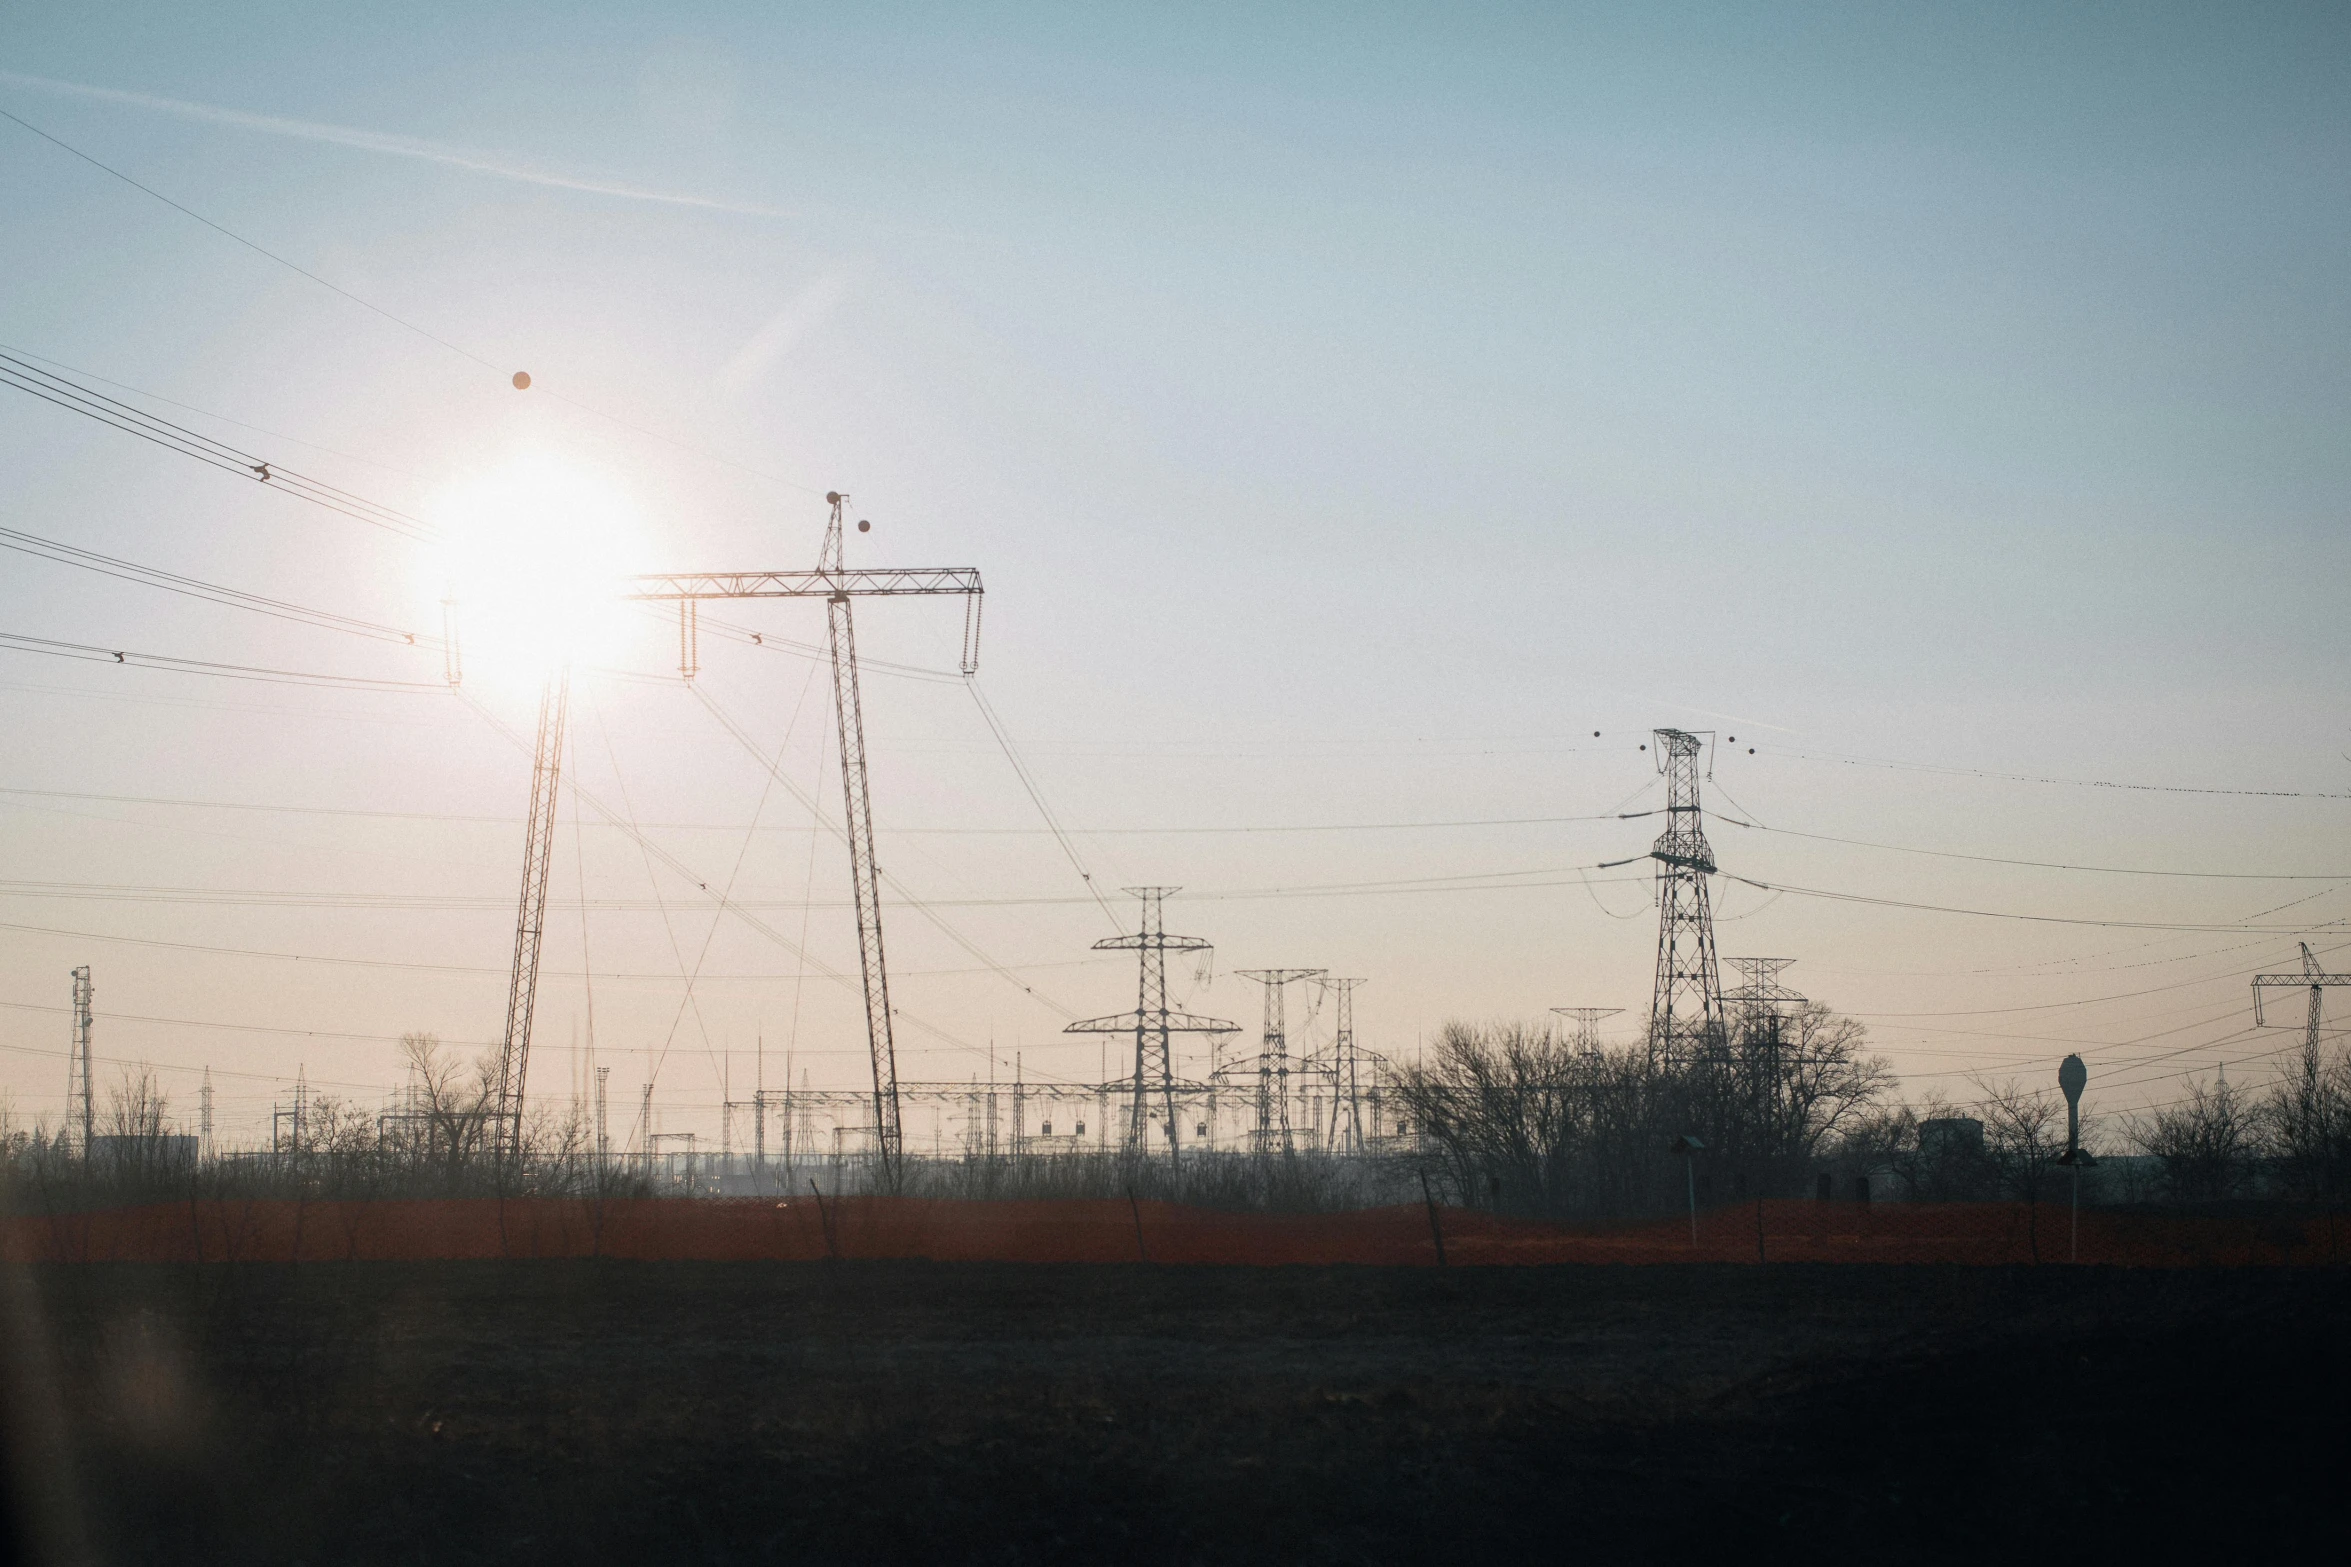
x: 1436, y: 1230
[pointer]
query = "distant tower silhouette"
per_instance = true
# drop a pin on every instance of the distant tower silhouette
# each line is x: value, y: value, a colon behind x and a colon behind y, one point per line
x: 1153, y: 1020
x: 79, y: 1100
x: 1685, y: 1014
x: 1273, y: 1063
x: 1586, y: 1038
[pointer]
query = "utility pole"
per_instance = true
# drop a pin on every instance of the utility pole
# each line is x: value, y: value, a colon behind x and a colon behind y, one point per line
x: 530, y: 923
x: 1273, y: 1060
x: 1152, y: 1022
x: 1685, y: 1012
x: 79, y: 1100
x: 836, y: 584
x: 1346, y: 1082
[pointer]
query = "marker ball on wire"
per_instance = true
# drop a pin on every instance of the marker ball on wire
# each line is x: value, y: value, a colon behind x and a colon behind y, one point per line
x: 864, y: 526
x: 522, y: 380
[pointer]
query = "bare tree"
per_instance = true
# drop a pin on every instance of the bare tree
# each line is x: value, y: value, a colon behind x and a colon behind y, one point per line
x: 1518, y: 1119
x: 2206, y: 1142
x: 454, y: 1105
x: 2306, y: 1124
x: 2024, y: 1132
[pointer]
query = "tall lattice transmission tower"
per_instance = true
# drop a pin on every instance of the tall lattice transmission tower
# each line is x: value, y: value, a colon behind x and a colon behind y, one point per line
x: 1685, y: 1013
x: 1273, y: 1062
x: 78, y: 1098
x: 1346, y: 1129
x: 1760, y: 1001
x: 1153, y: 1021
x: 1759, y: 1007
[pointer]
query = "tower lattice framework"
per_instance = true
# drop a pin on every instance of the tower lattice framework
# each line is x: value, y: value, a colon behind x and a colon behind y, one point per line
x: 1273, y: 1131
x: 79, y: 1099
x: 1686, y: 1022
x: 1152, y: 1022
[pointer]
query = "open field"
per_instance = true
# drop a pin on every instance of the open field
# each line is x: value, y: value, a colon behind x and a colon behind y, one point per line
x: 865, y: 1411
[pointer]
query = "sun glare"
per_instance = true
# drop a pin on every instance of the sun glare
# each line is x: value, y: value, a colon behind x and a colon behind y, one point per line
x: 534, y: 555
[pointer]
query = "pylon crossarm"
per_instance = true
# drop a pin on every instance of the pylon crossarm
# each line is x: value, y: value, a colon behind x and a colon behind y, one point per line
x: 1174, y: 1023
x: 877, y: 582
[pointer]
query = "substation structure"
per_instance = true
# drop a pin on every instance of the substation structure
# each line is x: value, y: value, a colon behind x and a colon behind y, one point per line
x: 780, y: 1138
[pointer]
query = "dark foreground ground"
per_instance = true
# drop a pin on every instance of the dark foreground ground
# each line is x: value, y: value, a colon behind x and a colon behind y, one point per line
x: 522, y: 1412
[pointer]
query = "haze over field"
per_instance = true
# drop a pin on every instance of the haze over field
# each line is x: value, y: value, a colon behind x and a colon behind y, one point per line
x: 1370, y: 427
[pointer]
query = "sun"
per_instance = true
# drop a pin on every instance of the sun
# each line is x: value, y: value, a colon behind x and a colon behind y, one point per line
x: 534, y: 555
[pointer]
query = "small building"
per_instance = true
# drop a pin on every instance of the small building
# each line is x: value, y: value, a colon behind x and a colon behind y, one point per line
x: 1951, y: 1137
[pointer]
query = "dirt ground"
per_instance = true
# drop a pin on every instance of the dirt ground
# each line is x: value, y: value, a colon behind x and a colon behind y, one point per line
x: 882, y: 1412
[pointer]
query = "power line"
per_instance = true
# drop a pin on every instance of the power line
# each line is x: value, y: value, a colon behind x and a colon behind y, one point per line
x: 2037, y: 919
x: 210, y: 592
x: 1037, y: 798
x: 249, y: 244
x: 400, y: 321
x: 2074, y: 783
x: 2047, y: 865
x: 922, y: 906
x: 70, y: 395
x: 446, y: 968
x: 733, y: 827
x: 89, y: 653
x: 173, y: 402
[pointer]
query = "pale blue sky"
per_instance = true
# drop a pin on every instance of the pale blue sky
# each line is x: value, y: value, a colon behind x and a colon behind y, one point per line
x: 1350, y: 411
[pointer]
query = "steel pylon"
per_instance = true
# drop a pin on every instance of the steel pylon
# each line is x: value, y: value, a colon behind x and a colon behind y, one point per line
x: 1685, y: 1011
x: 530, y: 923
x: 1153, y: 1021
x: 1273, y: 1061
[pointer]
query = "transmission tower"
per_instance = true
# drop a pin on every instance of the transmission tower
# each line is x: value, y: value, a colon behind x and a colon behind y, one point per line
x: 1346, y: 1066
x: 1760, y: 1004
x: 836, y: 584
x: 204, y: 1120
x: 603, y: 1125
x: 2311, y: 976
x: 1760, y: 997
x: 1152, y: 1022
x: 1273, y: 1059
x: 78, y: 1098
x: 1586, y: 1038
x: 530, y: 921
x: 1685, y: 1013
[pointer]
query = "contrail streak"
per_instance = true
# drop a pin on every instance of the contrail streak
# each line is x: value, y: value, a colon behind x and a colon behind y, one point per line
x: 394, y: 146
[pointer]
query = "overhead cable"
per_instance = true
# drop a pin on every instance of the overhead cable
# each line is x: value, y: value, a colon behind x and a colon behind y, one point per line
x: 90, y: 653
x: 172, y: 582
x: 57, y: 389
x: 400, y: 321
x: 2046, y: 865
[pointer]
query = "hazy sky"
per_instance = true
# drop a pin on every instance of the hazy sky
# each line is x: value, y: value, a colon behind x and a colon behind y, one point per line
x: 1351, y: 412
